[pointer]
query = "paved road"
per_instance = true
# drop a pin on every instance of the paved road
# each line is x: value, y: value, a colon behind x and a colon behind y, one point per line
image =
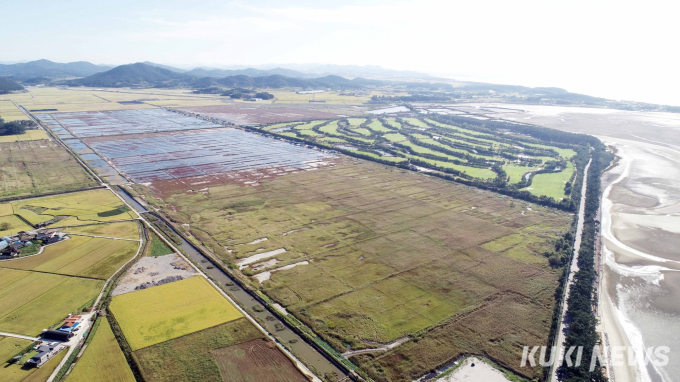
x: 561, y: 334
x: 73, y: 342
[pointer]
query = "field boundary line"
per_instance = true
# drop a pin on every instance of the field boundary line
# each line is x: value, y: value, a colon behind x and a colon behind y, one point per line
x: 101, y: 237
x: 20, y: 336
x: 54, y: 273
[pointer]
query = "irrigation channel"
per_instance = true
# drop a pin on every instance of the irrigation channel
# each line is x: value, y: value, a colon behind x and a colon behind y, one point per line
x: 296, y: 343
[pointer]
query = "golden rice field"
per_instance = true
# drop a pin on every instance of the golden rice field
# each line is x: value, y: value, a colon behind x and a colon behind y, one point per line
x: 123, y: 230
x: 9, y: 112
x: 103, y: 361
x: 74, y: 209
x: 83, y: 256
x: 33, y: 301
x: 151, y: 316
x: 29, y: 135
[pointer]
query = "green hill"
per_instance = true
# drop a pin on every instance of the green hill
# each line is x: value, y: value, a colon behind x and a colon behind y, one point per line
x: 7, y: 85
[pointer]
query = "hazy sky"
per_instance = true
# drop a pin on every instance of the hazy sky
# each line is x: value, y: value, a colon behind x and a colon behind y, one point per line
x: 616, y: 49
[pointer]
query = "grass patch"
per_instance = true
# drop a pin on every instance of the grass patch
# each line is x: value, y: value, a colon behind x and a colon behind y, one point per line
x: 151, y: 316
x: 157, y: 247
x: 551, y: 184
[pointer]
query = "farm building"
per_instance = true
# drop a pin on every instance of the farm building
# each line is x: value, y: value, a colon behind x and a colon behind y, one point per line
x: 45, y: 353
x: 57, y: 335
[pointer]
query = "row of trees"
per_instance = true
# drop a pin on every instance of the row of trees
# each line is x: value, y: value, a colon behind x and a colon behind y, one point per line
x: 582, y: 298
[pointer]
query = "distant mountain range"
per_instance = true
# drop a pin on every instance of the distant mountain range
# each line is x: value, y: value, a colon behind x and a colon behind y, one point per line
x: 49, y: 69
x: 7, y: 85
x: 130, y: 75
x: 141, y: 74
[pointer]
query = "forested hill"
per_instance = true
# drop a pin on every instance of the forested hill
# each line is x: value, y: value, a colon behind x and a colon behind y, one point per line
x: 141, y: 74
x: 49, y: 69
x: 7, y: 85
x: 130, y: 75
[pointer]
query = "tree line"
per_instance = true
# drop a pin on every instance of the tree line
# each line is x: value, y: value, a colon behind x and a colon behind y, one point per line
x: 14, y: 127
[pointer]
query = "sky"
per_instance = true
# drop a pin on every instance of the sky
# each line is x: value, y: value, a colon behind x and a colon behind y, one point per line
x: 616, y: 49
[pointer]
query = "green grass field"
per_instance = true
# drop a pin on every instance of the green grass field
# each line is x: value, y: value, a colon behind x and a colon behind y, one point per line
x: 103, y: 360
x: 28, y: 168
x: 32, y: 301
x: 124, y: 230
x: 74, y: 209
x: 190, y: 358
x: 79, y: 256
x: 516, y: 172
x: 551, y: 184
x: 157, y: 247
x: 151, y: 316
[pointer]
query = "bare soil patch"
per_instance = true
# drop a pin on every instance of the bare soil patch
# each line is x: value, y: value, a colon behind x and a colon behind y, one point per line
x: 153, y: 271
x: 256, y: 360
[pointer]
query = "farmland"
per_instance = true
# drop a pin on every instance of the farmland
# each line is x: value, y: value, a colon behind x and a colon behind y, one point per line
x: 28, y: 168
x: 10, y: 346
x: 190, y: 358
x: 32, y: 301
x: 79, y: 256
x: 124, y: 230
x: 256, y: 360
x: 10, y: 113
x: 29, y: 135
x: 103, y: 360
x: 151, y: 316
x: 74, y: 209
x: 374, y: 253
x: 15, y: 373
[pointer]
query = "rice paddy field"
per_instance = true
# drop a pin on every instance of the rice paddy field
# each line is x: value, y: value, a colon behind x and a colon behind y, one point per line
x: 123, y: 230
x: 9, y: 112
x: 15, y: 373
x: 29, y: 135
x: 74, y: 209
x: 103, y: 360
x: 186, y: 330
x: 84, y: 256
x: 151, y: 316
x: 27, y: 168
x: 87, y: 99
x: 365, y: 253
x: 33, y: 301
